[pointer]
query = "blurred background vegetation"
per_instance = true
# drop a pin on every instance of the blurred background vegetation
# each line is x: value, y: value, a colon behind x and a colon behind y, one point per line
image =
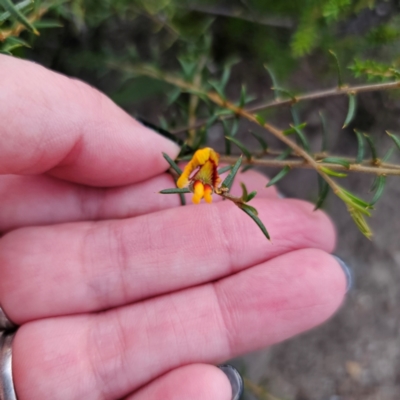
x: 259, y: 44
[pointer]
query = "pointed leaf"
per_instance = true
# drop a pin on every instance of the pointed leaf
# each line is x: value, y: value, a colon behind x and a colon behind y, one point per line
x: 218, y: 88
x: 303, y: 139
x: 389, y: 154
x: 225, y: 77
x: 336, y: 160
x: 324, y: 144
x: 292, y: 130
x: 261, y: 140
x: 251, y: 196
x: 27, y: 4
x: 395, y: 139
x: 260, y: 119
x: 286, y: 92
x: 285, y: 154
x: 362, y: 225
x: 380, y: 186
x: 173, y: 96
x: 372, y: 147
x: 175, y: 191
x: 323, y: 193
x: 354, y: 202
x: 280, y: 175
x: 273, y: 79
x: 224, y: 169
x: 351, y: 111
x: 339, y: 71
x: 244, y: 192
x: 172, y: 163
x: 250, y: 212
x: 355, y: 199
x: 361, y: 147
x: 9, y: 6
x: 228, y: 181
x: 47, y: 24
x: 242, y: 100
x: 241, y: 146
x: 330, y: 172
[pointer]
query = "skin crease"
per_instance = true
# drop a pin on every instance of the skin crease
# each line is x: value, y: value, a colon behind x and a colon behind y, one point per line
x: 121, y: 293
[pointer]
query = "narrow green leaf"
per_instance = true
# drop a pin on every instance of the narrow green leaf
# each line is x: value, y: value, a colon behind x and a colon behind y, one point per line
x: 331, y: 172
x: 227, y: 133
x: 20, y: 6
x: 243, y: 95
x: 225, y: 77
x: 5, y: 52
x: 339, y: 71
x: 244, y: 191
x: 351, y: 110
x: 175, y: 191
x: 241, y: 146
x: 286, y: 92
x: 250, y: 212
x: 47, y: 24
x: 235, y: 127
x: 182, y: 199
x: 263, y: 143
x: 303, y: 139
x: 354, y: 202
x: 228, y: 181
x: 285, y: 154
x: 361, y: 147
x: 201, y: 139
x: 13, y: 43
x: 336, y: 160
x: 324, y: 144
x: 260, y: 119
x: 280, y: 175
x: 355, y: 199
x: 9, y: 6
x: 380, y: 186
x: 173, y: 96
x: 273, y: 79
x: 395, y: 139
x: 389, y: 154
x: 188, y: 67
x: 224, y: 169
x: 292, y: 130
x: 372, y: 147
x: 362, y: 225
x: 172, y: 163
x: 251, y: 196
x: 323, y: 193
x: 218, y: 88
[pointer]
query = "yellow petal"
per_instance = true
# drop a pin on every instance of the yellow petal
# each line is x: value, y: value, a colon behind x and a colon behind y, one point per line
x: 198, y: 189
x: 207, y: 193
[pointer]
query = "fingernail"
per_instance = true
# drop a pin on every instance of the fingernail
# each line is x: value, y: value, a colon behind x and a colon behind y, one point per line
x: 347, y: 271
x: 235, y: 380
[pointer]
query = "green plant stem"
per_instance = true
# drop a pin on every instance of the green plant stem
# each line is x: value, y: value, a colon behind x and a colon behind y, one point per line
x: 304, y: 97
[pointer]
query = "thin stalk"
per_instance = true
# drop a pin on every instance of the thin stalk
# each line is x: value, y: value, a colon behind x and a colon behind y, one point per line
x: 304, y: 97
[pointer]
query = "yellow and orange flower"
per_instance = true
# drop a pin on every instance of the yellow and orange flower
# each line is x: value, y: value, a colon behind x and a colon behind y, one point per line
x: 201, y: 175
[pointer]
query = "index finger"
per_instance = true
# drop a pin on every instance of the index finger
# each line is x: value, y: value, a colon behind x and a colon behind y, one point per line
x: 55, y: 124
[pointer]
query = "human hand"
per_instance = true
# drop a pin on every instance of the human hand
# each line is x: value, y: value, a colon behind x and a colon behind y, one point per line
x: 120, y: 293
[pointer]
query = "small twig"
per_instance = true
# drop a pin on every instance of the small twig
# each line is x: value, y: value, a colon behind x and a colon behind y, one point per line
x: 376, y: 170
x: 304, y: 97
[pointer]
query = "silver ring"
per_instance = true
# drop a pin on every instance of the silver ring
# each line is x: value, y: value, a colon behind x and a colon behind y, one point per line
x: 7, y: 391
x: 5, y: 323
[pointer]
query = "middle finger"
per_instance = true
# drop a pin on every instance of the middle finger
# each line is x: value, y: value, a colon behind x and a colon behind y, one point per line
x: 85, y: 267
